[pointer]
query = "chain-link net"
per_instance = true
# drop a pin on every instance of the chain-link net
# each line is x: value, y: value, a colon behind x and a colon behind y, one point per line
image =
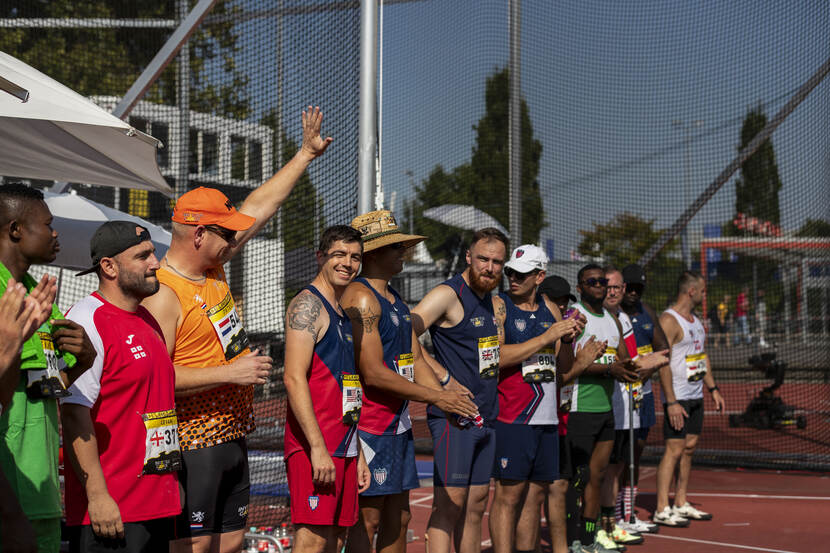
x: 628, y: 112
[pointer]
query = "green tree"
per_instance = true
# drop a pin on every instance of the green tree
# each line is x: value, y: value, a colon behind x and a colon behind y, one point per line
x: 482, y: 182
x: 756, y: 190
x: 106, y: 61
x: 814, y: 227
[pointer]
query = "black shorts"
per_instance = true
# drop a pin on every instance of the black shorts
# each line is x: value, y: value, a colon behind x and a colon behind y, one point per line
x: 584, y: 431
x: 149, y: 536
x: 217, y: 487
x: 621, y: 451
x: 566, y: 470
x: 691, y: 425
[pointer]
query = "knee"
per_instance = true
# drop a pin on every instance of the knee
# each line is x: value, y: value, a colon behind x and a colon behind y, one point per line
x: 406, y: 516
x: 689, y: 449
x: 371, y: 520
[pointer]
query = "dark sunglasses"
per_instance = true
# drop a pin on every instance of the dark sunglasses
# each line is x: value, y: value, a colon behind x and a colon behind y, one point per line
x: 510, y: 273
x: 398, y: 246
x: 224, y: 233
x: 595, y: 281
x: 633, y: 287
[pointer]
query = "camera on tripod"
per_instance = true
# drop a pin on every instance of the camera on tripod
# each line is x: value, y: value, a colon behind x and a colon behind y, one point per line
x: 767, y: 410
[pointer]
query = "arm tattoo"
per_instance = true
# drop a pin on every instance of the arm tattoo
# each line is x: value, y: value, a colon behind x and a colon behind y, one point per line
x: 303, y: 313
x: 365, y: 317
x: 501, y: 315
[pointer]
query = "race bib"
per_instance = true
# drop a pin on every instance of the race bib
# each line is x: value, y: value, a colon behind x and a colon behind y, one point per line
x: 608, y: 357
x: 488, y: 357
x: 352, y: 399
x: 695, y: 366
x: 228, y: 327
x: 636, y: 388
x: 645, y: 350
x: 540, y: 367
x: 46, y: 383
x: 406, y: 366
x: 161, y: 445
x: 566, y: 394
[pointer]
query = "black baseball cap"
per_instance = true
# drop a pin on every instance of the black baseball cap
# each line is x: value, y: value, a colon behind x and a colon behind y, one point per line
x: 634, y: 274
x: 112, y: 238
x: 556, y: 287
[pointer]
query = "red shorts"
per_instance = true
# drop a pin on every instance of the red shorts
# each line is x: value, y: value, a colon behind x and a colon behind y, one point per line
x: 332, y: 505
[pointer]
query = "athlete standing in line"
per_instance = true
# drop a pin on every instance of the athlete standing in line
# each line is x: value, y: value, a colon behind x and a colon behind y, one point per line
x: 325, y: 466
x: 215, y: 369
x: 459, y: 315
x: 527, y: 452
x: 682, y: 382
x: 119, y: 424
x: 650, y: 337
x: 393, y: 371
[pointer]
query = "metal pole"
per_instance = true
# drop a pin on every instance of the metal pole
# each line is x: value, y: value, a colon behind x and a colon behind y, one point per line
x: 514, y: 135
x: 367, y: 139
x: 183, y: 103
x: 684, y: 241
x: 742, y: 156
x: 187, y: 25
x: 631, y: 518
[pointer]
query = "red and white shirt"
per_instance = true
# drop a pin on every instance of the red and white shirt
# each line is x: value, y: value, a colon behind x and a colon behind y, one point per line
x: 130, y: 393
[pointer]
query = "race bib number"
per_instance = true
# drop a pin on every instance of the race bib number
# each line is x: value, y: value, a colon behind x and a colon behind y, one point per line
x: 228, y: 327
x: 566, y: 394
x: 608, y: 357
x: 636, y: 389
x: 406, y: 366
x: 46, y: 383
x: 352, y: 399
x: 161, y: 446
x: 488, y: 357
x: 695, y: 366
x: 540, y: 367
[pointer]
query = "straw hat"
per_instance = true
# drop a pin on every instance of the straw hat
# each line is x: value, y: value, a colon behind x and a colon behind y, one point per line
x: 379, y: 229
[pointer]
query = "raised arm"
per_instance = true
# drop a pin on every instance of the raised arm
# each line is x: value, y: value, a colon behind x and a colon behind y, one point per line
x: 264, y: 202
x: 306, y: 322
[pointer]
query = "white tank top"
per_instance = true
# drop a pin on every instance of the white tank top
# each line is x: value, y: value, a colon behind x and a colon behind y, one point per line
x: 688, y: 360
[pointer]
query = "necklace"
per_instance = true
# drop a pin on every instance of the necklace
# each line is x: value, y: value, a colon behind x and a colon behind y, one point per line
x: 181, y: 274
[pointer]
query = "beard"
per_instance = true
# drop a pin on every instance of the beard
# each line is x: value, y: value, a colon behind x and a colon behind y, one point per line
x: 138, y: 285
x: 482, y: 286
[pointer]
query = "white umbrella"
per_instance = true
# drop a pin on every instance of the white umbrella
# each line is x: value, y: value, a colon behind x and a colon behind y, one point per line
x: 464, y: 217
x: 48, y: 131
x: 76, y: 219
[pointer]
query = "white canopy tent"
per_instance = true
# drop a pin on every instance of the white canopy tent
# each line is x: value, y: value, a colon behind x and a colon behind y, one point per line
x: 48, y: 131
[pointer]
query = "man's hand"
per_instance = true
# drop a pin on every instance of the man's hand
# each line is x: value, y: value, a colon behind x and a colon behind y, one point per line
x: 621, y: 371
x: 72, y: 338
x: 580, y: 319
x: 649, y: 363
x: 452, y: 401
x: 323, y: 471
x: 588, y: 352
x: 251, y: 368
x: 17, y: 535
x: 105, y: 517
x: 718, y: 399
x: 456, y: 386
x: 676, y: 416
x: 14, y: 312
x: 563, y: 329
x: 364, y: 476
x: 42, y: 296
x: 313, y: 143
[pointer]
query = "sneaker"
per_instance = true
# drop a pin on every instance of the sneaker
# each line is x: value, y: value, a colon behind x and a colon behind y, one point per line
x: 667, y: 517
x: 646, y: 526
x: 687, y: 511
x: 602, y: 538
x: 624, y: 537
x: 577, y: 547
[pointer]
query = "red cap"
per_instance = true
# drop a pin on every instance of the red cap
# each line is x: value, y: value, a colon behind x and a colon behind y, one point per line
x: 208, y: 206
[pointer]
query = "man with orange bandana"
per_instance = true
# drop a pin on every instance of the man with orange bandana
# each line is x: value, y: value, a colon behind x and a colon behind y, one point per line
x: 215, y: 369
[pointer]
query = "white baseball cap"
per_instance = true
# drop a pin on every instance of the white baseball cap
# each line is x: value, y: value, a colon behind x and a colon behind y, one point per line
x: 527, y: 258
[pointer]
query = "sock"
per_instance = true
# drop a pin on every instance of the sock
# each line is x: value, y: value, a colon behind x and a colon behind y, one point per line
x: 626, y: 502
x: 589, y: 531
x: 619, y: 509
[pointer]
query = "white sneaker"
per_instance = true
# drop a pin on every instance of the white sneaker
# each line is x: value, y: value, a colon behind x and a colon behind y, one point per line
x: 667, y: 517
x: 689, y: 512
x: 639, y: 526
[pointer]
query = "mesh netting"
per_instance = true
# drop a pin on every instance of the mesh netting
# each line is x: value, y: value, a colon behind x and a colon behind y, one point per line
x: 629, y: 111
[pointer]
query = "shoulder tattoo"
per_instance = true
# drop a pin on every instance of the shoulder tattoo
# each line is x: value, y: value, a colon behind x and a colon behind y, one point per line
x: 363, y: 316
x: 303, y: 313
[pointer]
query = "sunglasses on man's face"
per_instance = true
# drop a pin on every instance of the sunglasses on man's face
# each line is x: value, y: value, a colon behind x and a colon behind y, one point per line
x: 638, y: 288
x: 517, y: 276
x: 595, y: 282
x: 224, y: 233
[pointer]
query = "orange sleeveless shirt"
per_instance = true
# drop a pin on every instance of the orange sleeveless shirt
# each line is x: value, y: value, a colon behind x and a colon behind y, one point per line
x: 210, y: 334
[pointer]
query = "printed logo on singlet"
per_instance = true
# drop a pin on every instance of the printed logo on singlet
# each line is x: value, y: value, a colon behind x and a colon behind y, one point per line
x: 228, y: 327
x: 477, y: 321
x: 521, y: 324
x: 394, y: 317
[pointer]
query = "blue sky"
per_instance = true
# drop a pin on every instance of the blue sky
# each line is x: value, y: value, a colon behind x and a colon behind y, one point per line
x: 603, y: 81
